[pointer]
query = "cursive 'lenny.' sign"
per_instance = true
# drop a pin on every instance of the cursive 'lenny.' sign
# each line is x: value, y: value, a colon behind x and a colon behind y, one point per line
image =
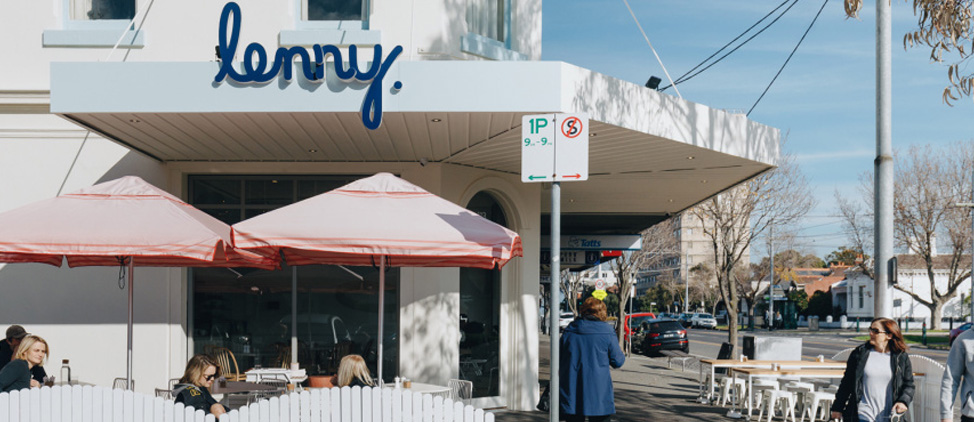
x: 257, y: 69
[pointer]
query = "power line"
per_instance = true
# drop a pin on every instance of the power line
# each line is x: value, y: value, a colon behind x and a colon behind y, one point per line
x: 651, y: 47
x: 789, y: 57
x: 685, y: 78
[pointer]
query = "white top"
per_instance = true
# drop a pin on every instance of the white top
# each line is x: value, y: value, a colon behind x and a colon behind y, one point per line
x: 877, y: 386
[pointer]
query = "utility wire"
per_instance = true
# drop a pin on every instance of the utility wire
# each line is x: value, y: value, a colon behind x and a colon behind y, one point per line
x: 683, y: 77
x: 651, y: 47
x: 789, y: 57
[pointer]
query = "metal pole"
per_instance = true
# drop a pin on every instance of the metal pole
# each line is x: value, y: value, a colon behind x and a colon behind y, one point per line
x: 884, y: 162
x: 128, y: 369
x: 294, y: 317
x: 771, y: 282
x: 382, y: 308
x: 971, y: 277
x: 686, y: 278
x: 555, y: 300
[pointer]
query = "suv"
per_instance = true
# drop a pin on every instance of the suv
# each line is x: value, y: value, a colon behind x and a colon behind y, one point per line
x: 703, y: 320
x: 634, y: 320
x: 655, y: 335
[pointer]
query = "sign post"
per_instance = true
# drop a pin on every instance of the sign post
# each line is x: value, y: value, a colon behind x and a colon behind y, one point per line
x: 554, y: 148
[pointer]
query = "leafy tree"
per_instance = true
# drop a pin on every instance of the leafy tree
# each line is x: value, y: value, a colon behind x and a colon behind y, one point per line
x: 846, y: 255
x: 944, y: 27
x: 800, y: 298
x: 820, y: 304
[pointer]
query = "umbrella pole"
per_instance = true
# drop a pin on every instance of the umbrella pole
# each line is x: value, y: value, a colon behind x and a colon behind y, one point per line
x: 294, y: 317
x: 382, y: 303
x: 128, y: 369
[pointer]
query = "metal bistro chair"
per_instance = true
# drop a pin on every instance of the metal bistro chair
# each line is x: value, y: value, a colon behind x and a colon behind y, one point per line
x: 164, y: 393
x: 460, y: 389
x: 280, y: 387
x: 120, y: 384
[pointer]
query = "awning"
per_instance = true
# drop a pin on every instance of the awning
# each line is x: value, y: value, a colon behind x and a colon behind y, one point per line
x: 650, y: 154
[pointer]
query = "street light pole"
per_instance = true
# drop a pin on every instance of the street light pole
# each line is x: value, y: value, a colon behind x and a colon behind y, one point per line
x: 771, y: 282
x: 971, y: 274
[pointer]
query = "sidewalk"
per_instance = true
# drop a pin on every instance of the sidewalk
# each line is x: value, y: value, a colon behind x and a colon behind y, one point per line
x: 645, y: 390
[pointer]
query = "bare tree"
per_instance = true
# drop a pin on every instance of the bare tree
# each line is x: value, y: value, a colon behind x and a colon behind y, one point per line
x: 944, y: 27
x: 571, y: 285
x: 658, y: 243
x: 733, y: 219
x: 928, y: 185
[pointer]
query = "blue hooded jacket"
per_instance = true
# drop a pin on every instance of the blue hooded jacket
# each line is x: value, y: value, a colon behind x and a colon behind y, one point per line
x: 588, y: 348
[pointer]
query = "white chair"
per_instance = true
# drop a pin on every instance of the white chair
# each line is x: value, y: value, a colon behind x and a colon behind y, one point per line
x: 759, y: 385
x: 817, y: 404
x: 775, y: 398
x: 801, y: 390
x: 727, y: 384
x: 122, y: 384
x: 460, y: 389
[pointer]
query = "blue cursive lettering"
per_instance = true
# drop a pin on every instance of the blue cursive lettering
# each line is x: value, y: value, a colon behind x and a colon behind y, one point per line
x: 257, y: 68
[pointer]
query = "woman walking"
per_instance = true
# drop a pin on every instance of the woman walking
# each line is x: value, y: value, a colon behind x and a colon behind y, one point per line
x: 588, y: 347
x: 878, y: 379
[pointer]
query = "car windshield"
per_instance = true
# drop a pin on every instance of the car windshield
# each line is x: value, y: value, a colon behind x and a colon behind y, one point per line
x: 638, y: 320
x: 705, y: 316
x: 665, y: 326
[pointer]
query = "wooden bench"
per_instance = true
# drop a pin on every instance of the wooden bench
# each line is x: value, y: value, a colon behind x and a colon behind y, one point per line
x: 677, y: 355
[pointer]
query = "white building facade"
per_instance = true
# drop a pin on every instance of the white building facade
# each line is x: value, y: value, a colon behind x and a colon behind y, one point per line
x: 858, y: 290
x: 103, y: 89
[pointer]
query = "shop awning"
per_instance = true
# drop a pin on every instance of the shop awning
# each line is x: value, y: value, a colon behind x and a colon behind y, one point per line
x: 667, y: 153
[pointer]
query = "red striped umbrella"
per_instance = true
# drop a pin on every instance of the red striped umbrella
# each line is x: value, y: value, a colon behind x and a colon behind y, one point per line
x: 121, y: 222
x: 380, y: 220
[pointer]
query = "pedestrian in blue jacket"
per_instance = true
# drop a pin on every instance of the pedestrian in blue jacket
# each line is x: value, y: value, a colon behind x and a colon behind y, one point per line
x: 589, y: 347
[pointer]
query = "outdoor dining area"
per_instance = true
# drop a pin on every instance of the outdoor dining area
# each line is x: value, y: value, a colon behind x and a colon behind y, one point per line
x: 287, y: 329
x: 780, y: 382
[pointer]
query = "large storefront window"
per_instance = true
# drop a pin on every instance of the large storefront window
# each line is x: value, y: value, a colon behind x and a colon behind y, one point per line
x: 480, y: 292
x: 249, y: 311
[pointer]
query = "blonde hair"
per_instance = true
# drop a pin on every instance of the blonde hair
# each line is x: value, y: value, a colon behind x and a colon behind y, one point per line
x: 196, y: 367
x: 27, y: 343
x: 351, y: 367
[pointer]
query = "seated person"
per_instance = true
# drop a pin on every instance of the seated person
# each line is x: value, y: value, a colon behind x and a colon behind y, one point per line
x: 31, y: 352
x: 352, y: 371
x: 16, y: 333
x: 193, y: 388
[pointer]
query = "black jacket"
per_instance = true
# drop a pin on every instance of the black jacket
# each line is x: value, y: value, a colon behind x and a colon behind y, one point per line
x: 196, y: 397
x: 850, y: 389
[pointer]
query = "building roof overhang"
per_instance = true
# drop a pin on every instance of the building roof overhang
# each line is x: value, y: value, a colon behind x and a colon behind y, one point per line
x: 651, y: 154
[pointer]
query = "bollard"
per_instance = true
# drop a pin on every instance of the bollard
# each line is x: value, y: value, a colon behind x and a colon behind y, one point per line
x: 951, y: 324
x: 907, y: 326
x: 857, y: 325
x: 924, y: 333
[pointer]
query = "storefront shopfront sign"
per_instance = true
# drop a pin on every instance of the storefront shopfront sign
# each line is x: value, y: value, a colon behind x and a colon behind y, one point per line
x: 257, y: 68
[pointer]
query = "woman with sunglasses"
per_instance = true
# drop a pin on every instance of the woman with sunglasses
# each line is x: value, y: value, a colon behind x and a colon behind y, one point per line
x: 878, y: 379
x: 193, y: 389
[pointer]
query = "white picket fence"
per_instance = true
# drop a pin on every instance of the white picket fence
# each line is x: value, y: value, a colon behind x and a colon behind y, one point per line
x: 356, y: 404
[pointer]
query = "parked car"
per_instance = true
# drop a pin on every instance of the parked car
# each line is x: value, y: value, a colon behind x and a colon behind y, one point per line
x: 655, y: 335
x: 703, y: 321
x: 565, y: 319
x: 633, y: 321
x: 956, y: 331
x: 685, y: 319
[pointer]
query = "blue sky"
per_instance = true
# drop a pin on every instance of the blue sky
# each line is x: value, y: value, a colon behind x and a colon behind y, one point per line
x: 823, y: 102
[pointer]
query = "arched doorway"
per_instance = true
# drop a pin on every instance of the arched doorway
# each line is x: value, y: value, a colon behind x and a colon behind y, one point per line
x: 480, y: 321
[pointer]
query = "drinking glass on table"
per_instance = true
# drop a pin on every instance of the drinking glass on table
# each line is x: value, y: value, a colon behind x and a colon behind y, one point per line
x: 49, y: 381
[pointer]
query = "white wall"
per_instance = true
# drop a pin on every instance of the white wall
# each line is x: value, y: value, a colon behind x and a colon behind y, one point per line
x: 914, y: 280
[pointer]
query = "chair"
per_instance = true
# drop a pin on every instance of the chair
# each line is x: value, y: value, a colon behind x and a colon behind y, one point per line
x: 228, y: 364
x: 774, y: 398
x: 164, y: 393
x: 460, y: 389
x: 726, y: 352
x: 280, y: 387
x: 817, y: 402
x: 738, y: 385
x: 121, y: 384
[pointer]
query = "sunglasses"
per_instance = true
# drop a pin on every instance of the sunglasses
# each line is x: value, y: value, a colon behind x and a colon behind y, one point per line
x: 210, y: 377
x: 875, y: 331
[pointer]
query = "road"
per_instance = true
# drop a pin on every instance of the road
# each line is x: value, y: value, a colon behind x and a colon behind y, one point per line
x: 706, y: 343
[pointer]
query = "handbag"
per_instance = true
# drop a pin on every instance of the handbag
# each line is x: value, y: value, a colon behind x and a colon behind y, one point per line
x: 544, y: 404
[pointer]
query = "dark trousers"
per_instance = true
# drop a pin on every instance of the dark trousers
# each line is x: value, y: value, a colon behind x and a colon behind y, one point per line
x: 966, y: 418
x: 581, y: 418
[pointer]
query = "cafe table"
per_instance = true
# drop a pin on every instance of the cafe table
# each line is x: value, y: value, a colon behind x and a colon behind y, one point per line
x: 737, y: 364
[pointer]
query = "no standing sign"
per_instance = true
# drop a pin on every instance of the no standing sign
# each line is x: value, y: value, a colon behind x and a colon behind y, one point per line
x: 554, y: 147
